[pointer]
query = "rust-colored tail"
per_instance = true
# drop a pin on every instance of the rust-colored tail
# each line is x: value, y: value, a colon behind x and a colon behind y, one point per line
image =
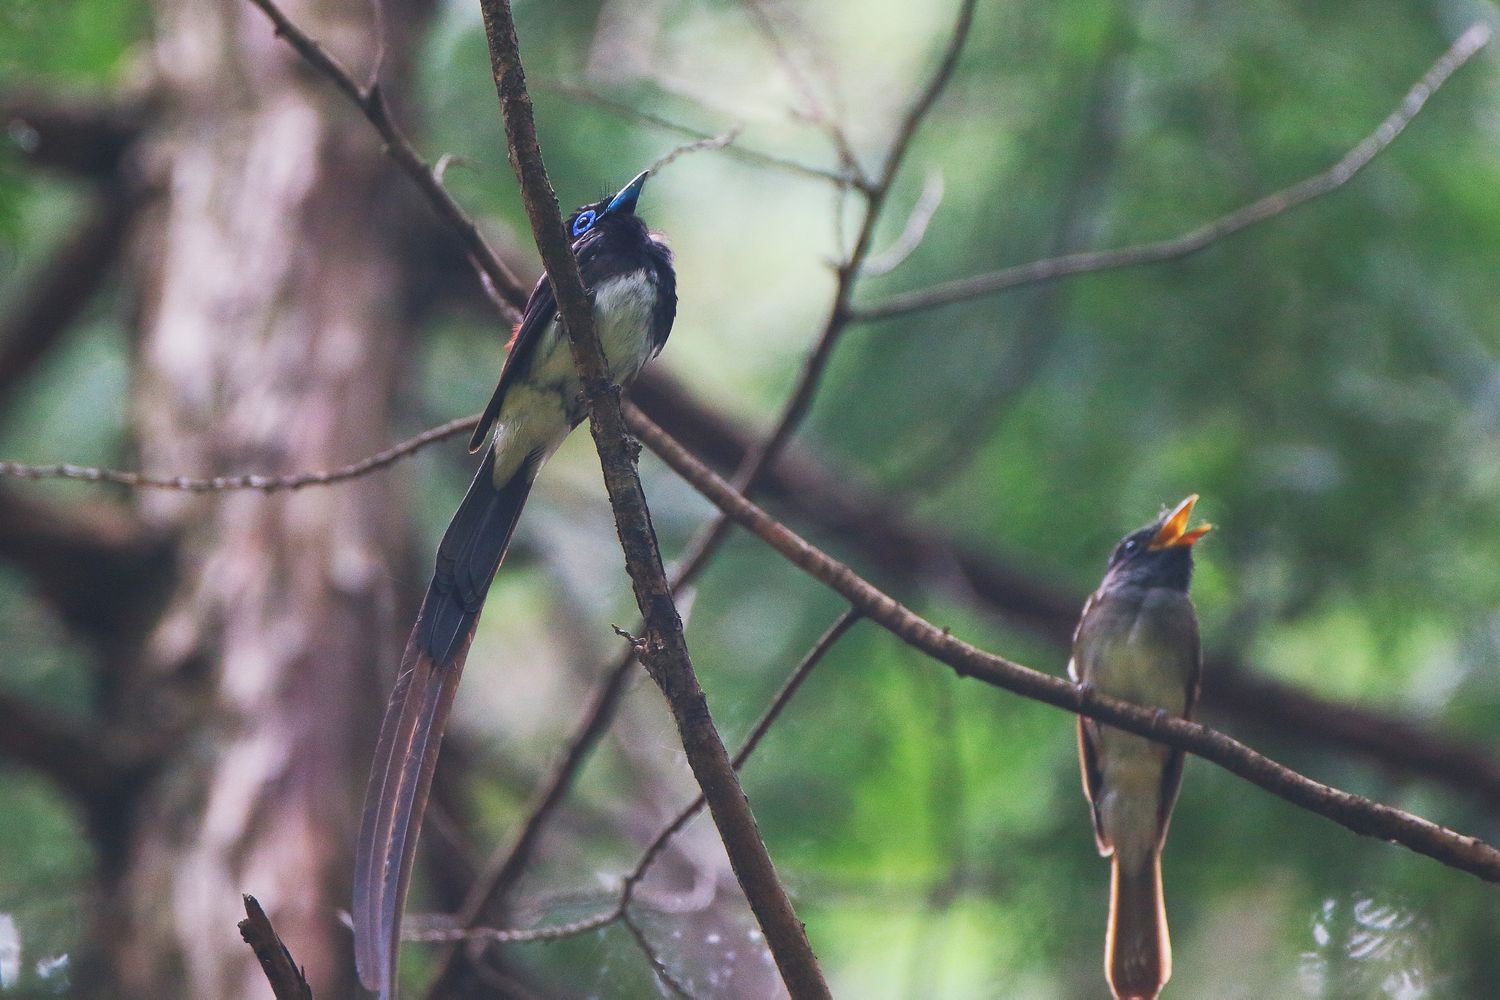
x: 1137, y: 951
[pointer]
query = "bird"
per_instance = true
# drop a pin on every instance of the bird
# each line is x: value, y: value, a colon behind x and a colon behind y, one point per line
x: 1137, y: 640
x: 628, y: 273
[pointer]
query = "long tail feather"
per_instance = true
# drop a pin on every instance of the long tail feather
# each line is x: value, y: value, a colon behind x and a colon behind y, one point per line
x: 412, y: 730
x: 1137, y: 950
x: 395, y: 800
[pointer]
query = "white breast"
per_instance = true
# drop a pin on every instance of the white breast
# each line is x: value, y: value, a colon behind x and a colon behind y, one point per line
x: 623, y: 309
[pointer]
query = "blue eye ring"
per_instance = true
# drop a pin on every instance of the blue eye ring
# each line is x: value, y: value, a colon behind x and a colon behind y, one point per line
x: 584, y: 222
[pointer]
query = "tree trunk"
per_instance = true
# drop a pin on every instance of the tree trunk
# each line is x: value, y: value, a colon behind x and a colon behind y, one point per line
x: 272, y: 332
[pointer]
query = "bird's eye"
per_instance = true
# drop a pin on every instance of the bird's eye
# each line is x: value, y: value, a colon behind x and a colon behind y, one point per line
x: 1130, y: 546
x: 584, y: 222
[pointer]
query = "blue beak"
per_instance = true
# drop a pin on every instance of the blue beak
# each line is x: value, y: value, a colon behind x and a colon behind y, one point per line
x: 626, y: 199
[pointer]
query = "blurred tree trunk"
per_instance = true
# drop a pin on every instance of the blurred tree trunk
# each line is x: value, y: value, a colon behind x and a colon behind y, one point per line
x: 272, y: 334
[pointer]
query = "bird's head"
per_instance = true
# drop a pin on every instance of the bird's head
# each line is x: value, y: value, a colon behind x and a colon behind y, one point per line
x: 613, y: 214
x: 1161, y: 553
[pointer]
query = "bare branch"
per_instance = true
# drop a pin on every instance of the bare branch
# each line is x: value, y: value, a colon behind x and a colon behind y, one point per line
x: 667, y: 660
x: 504, y: 870
x: 286, y: 978
x: 508, y: 293
x: 657, y: 965
x: 813, y: 109
x: 696, y: 146
x: 1354, y: 812
x: 667, y: 125
x: 247, y: 481
x: 1196, y: 239
x: 459, y: 931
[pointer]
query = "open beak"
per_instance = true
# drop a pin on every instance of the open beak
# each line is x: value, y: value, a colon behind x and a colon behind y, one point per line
x: 1174, y: 531
x: 626, y: 199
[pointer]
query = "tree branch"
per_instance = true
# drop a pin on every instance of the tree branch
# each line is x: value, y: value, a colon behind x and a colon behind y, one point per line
x: 1354, y: 812
x: 504, y: 289
x: 244, y: 481
x: 667, y: 658
x: 286, y: 978
x: 738, y: 151
x: 1191, y: 242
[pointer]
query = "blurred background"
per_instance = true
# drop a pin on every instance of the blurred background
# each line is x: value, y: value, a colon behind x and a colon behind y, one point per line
x: 208, y: 267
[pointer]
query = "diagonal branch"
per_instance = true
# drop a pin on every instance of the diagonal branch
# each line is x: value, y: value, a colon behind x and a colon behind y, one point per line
x: 1196, y: 239
x: 286, y: 978
x: 666, y: 653
x: 504, y: 289
x: 1354, y: 812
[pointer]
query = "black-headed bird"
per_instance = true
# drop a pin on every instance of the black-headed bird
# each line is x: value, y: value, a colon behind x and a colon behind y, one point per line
x: 627, y: 271
x: 1138, y: 640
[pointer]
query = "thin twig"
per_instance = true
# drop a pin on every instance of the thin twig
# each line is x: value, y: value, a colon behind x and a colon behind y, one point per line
x: 698, y: 145
x: 667, y: 125
x: 657, y: 965
x: 1196, y: 239
x: 917, y: 221
x: 287, y: 980
x: 503, y: 287
x: 556, y: 932
x: 1354, y: 812
x: 248, y: 481
x: 813, y: 109
x: 667, y: 660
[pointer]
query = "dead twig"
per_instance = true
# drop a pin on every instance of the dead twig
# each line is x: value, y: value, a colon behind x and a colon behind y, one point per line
x: 286, y: 978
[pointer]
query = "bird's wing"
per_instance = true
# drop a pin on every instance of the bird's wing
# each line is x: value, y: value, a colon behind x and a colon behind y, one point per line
x: 1088, y: 763
x: 541, y: 309
x: 1088, y: 753
x: 1171, y: 775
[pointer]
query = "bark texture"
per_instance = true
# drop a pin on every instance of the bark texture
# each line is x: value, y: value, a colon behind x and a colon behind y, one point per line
x: 271, y: 338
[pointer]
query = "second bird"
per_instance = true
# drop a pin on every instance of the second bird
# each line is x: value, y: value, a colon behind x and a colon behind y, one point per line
x: 1138, y: 640
x: 628, y: 273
